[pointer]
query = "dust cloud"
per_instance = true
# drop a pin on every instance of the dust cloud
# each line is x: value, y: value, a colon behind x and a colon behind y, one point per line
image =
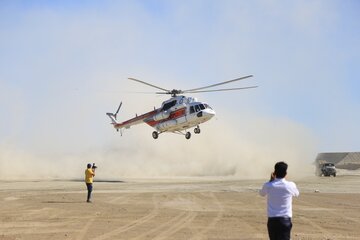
x: 241, y: 147
x: 224, y: 148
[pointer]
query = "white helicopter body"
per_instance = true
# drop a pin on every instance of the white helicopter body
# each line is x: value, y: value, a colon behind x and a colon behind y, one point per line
x: 176, y: 115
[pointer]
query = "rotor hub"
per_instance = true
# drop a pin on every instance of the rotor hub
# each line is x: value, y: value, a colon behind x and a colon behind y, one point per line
x: 174, y: 92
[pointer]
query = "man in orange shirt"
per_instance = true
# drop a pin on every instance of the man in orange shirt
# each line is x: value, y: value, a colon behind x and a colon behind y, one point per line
x: 89, y: 175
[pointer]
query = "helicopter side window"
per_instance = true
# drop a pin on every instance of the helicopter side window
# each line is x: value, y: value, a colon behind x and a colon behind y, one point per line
x: 202, y: 107
x: 197, y: 108
x: 169, y: 105
x: 192, y: 110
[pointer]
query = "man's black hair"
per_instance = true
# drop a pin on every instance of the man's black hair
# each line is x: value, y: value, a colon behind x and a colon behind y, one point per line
x: 280, y: 169
x: 89, y: 165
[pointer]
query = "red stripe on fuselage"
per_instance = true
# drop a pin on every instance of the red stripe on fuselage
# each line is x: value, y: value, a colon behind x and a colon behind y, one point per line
x: 178, y: 113
x: 135, y: 119
x: 174, y: 115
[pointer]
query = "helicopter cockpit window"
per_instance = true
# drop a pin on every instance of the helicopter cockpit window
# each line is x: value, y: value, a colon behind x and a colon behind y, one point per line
x: 192, y: 110
x: 207, y: 106
x: 168, y: 105
x: 202, y: 107
x: 197, y: 108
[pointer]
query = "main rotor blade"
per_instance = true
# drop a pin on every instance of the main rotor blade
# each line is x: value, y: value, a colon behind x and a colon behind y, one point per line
x: 134, y: 92
x: 137, y: 80
x: 220, y: 90
x: 218, y: 84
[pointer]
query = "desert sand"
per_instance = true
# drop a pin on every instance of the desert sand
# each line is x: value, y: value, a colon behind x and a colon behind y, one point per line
x: 182, y: 208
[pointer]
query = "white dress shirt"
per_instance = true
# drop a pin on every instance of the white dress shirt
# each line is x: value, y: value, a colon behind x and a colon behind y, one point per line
x: 279, y: 197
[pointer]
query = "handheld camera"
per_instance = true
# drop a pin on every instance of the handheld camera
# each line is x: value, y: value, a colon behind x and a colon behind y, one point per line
x: 94, y: 166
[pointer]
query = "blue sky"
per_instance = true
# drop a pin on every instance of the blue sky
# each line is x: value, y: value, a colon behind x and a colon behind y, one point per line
x: 63, y: 64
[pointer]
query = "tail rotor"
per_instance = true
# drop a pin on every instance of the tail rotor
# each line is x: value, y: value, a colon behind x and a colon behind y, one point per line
x: 113, y: 116
x: 117, y: 111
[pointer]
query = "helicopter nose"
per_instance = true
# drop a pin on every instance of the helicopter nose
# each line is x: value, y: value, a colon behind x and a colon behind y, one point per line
x: 206, y: 113
x: 211, y: 113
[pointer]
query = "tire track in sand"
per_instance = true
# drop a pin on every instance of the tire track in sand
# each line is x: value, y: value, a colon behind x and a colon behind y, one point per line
x: 167, y: 229
x: 214, y: 221
x: 331, y: 212
x: 183, y: 222
x: 84, y: 230
x: 112, y: 234
x: 190, y: 215
x: 328, y: 234
x: 114, y: 200
x: 324, y: 233
x: 171, y: 226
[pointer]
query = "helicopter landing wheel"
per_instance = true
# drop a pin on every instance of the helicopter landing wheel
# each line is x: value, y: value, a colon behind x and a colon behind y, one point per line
x: 197, y: 130
x: 187, y: 135
x: 155, y: 134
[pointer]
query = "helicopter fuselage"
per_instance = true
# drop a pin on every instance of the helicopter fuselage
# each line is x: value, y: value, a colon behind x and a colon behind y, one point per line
x: 180, y: 113
x: 177, y: 114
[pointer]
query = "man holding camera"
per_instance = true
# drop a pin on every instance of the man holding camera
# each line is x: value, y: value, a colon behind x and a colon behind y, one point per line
x: 89, y: 175
x: 279, y: 203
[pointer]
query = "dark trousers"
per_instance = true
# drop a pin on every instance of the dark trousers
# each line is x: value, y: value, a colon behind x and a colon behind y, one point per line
x: 279, y: 228
x: 89, y: 188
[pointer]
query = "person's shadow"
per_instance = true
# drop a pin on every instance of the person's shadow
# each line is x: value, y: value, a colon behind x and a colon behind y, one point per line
x: 63, y: 202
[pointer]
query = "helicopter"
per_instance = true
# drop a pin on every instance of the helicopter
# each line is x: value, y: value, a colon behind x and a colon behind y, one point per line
x: 177, y: 114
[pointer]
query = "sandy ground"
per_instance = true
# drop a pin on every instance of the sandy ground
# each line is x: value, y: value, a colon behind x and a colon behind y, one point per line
x: 201, y: 208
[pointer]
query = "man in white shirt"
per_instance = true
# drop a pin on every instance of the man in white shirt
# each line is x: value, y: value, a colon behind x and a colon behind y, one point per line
x: 279, y: 193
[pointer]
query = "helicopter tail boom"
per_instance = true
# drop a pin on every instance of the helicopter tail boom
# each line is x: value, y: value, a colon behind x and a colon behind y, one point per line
x: 133, y: 121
